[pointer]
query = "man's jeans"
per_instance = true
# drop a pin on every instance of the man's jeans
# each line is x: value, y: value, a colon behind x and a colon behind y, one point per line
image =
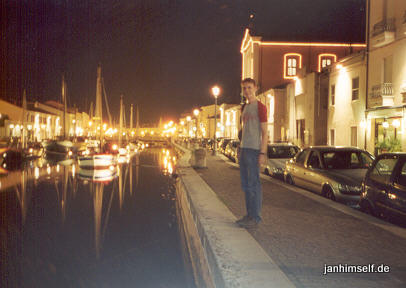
x: 249, y: 172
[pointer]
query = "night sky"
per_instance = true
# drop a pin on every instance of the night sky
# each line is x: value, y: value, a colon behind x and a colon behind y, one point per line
x: 162, y: 55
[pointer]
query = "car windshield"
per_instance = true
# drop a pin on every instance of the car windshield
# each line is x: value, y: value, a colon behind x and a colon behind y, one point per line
x: 346, y: 160
x: 282, y: 151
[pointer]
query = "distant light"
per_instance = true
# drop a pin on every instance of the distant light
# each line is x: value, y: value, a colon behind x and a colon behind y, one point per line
x: 385, y: 125
x: 196, y: 112
x: 188, y: 118
x: 396, y: 123
x: 339, y: 66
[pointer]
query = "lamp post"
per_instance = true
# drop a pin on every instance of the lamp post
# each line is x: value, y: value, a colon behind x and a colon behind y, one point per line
x: 216, y: 92
x: 188, y: 119
x: 196, y: 113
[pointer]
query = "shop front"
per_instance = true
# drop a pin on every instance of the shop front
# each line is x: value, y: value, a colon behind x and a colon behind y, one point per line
x: 386, y: 130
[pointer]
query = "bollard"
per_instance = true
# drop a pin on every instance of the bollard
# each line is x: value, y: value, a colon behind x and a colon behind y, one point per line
x: 198, y: 158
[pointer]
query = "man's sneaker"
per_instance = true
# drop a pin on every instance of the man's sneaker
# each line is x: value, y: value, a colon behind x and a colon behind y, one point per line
x: 250, y: 223
x: 243, y: 219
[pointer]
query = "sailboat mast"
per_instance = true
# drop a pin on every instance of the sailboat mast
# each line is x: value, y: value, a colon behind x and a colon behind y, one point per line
x: 23, y: 140
x: 64, y: 106
x: 121, y: 121
x: 131, y: 117
x: 137, y: 118
x: 99, y: 111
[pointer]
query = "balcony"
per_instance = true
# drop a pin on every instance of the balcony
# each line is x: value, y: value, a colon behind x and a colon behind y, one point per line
x: 383, y: 33
x: 381, y: 95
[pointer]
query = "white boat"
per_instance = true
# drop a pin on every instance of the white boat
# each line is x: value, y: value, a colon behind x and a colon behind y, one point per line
x: 98, y: 175
x: 97, y: 161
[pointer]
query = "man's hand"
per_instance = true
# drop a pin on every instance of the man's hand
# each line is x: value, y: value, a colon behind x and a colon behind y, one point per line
x: 261, y: 159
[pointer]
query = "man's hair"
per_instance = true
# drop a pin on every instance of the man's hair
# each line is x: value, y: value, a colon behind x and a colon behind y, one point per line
x: 249, y: 80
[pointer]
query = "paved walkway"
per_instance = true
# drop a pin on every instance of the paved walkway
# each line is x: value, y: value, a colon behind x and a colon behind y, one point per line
x: 302, y: 232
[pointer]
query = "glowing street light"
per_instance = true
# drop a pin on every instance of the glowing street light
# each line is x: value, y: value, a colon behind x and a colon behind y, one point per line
x: 215, y: 90
x: 196, y: 113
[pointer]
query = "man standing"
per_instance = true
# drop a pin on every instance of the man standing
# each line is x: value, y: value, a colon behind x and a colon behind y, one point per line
x: 253, y: 152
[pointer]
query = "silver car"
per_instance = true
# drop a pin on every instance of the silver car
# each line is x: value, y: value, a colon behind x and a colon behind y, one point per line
x: 277, y: 156
x: 334, y: 172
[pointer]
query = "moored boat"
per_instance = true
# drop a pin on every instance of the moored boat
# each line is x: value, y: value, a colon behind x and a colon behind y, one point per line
x: 97, y: 161
x: 98, y: 175
x: 59, y: 147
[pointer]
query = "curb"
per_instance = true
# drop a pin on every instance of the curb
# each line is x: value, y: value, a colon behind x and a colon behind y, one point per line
x: 234, y: 257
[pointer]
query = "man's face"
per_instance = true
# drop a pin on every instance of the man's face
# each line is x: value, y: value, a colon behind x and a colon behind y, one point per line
x: 249, y: 89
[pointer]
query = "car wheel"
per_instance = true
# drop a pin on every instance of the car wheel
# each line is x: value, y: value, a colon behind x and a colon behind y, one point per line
x: 367, y: 208
x: 329, y: 194
x: 289, y: 180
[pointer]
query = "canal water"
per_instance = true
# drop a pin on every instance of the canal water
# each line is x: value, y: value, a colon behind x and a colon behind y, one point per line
x: 64, y: 227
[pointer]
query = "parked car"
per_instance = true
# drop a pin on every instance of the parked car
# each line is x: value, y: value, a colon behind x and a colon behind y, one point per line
x: 223, y: 144
x: 384, y: 187
x: 206, y: 142
x: 334, y: 172
x: 277, y: 156
x: 232, y: 150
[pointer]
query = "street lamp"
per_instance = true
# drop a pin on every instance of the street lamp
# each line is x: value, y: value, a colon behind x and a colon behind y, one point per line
x: 215, y: 90
x: 196, y: 113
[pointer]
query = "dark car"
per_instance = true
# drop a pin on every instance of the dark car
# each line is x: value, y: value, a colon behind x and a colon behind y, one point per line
x: 384, y: 187
x: 223, y: 144
x: 232, y: 150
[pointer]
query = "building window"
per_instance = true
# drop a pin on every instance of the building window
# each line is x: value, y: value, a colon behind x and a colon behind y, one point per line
x: 332, y: 137
x: 326, y: 60
x: 333, y: 95
x: 354, y: 136
x: 292, y: 62
x: 355, y: 88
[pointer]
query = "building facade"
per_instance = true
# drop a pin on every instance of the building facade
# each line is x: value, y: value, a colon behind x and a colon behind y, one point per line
x: 274, y: 63
x: 386, y: 77
x: 346, y: 125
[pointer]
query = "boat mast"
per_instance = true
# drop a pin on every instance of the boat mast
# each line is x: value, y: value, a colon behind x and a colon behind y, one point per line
x: 98, y: 119
x: 64, y: 105
x: 131, y: 116
x: 137, y: 125
x: 23, y: 142
x: 121, y: 121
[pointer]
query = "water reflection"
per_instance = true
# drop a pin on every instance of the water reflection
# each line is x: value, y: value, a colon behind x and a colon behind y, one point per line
x: 92, y: 227
x: 66, y: 182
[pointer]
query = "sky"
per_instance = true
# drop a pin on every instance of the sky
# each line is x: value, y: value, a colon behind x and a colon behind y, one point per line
x: 163, y: 56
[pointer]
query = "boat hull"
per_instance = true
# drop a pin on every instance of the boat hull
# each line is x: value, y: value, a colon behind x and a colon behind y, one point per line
x: 97, y: 175
x: 98, y: 161
x: 59, y: 147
